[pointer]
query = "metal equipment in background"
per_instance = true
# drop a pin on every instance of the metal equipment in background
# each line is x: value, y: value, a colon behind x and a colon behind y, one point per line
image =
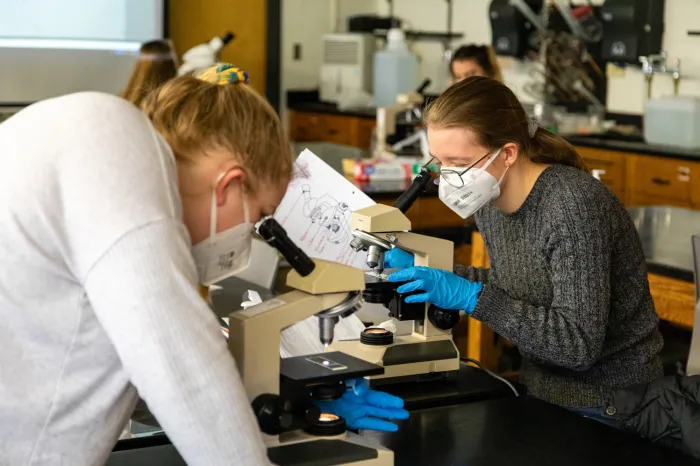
x: 204, y: 55
x: 658, y: 64
x: 512, y: 25
x: 562, y: 43
x: 282, y: 391
x: 429, y: 352
x: 632, y: 29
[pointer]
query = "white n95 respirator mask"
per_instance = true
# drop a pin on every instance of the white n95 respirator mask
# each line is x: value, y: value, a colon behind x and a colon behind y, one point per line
x: 226, y: 253
x: 467, y: 193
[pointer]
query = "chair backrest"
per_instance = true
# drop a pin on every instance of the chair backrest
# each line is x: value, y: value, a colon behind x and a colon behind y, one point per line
x: 694, y: 356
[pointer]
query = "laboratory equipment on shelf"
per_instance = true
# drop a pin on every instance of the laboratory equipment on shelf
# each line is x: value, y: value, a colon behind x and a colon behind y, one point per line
x: 631, y: 28
x: 204, y: 55
x: 282, y: 391
x: 346, y: 69
x: 410, y: 106
x: 396, y: 70
x: 428, y: 353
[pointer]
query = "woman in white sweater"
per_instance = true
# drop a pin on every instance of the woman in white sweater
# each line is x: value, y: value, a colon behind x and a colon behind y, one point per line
x: 99, y: 212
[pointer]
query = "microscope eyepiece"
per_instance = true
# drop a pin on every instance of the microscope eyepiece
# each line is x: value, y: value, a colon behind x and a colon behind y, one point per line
x: 420, y: 183
x: 228, y: 37
x: 276, y: 236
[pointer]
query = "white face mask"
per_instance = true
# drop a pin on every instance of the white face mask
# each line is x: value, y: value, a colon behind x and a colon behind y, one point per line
x: 226, y: 253
x: 478, y: 188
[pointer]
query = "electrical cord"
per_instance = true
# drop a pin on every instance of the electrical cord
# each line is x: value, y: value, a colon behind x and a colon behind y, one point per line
x: 492, y: 374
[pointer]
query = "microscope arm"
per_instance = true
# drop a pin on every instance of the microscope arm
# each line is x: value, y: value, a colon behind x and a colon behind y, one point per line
x: 254, y: 333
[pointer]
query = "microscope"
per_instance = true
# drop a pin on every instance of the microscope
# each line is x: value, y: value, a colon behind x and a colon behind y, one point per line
x: 428, y: 353
x: 282, y: 390
x: 204, y: 55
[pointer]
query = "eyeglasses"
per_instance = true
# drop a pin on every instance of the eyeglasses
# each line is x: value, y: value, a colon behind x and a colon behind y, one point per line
x: 454, y: 177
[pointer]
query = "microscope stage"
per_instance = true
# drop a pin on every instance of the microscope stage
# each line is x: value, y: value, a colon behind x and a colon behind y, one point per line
x: 327, y: 367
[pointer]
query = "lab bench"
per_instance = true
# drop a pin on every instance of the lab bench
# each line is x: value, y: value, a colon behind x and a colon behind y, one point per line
x: 509, y: 430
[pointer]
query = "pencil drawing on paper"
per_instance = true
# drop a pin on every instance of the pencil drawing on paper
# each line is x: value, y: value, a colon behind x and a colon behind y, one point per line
x: 326, y: 221
x: 316, y: 211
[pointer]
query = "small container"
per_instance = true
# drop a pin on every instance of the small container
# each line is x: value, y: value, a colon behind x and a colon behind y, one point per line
x: 673, y: 121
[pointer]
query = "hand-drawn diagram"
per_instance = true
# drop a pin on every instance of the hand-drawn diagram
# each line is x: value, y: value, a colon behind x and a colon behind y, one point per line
x: 316, y: 211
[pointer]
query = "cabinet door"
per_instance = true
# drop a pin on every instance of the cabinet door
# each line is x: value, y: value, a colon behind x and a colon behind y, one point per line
x: 663, y: 181
x: 611, y: 167
x: 318, y: 127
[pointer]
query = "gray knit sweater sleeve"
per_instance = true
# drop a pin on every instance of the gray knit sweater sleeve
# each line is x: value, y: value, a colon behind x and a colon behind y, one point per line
x: 473, y: 274
x: 568, y: 332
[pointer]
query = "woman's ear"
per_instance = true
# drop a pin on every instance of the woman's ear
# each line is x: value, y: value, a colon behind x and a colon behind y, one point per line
x: 511, y: 151
x: 235, y: 176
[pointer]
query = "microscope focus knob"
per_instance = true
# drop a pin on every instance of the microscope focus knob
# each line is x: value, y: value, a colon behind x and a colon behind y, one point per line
x: 441, y: 318
x: 273, y: 413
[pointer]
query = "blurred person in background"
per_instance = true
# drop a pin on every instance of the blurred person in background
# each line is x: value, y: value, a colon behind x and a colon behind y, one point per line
x: 156, y: 64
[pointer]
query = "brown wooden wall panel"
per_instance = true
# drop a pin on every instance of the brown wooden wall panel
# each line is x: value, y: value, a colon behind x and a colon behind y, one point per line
x: 193, y: 22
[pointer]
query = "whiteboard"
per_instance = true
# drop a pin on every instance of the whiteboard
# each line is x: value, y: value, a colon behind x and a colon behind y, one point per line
x: 50, y: 48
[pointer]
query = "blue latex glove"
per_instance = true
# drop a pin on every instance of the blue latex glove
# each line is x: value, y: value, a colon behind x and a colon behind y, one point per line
x: 363, y: 408
x: 397, y: 259
x: 441, y: 288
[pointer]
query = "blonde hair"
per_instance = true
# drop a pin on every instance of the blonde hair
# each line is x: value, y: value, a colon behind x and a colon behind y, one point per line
x: 216, y: 110
x: 156, y: 64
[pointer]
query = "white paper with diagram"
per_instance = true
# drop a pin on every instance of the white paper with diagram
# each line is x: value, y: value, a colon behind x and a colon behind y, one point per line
x: 316, y: 211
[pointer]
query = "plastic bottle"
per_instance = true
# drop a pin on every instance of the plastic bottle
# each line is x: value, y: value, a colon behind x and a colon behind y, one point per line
x: 395, y: 70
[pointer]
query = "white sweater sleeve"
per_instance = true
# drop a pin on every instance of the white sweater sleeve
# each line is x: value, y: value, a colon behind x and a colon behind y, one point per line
x: 144, y: 293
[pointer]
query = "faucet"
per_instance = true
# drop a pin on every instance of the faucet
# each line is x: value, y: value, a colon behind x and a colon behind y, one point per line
x: 654, y: 64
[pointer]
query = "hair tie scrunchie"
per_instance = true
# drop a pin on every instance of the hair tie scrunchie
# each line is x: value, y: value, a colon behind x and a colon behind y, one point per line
x: 229, y: 74
x: 532, y: 126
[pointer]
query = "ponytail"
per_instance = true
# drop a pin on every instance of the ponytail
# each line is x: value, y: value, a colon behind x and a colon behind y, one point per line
x: 548, y: 148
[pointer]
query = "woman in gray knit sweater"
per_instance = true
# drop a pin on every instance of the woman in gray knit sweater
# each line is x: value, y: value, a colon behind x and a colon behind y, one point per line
x: 568, y: 282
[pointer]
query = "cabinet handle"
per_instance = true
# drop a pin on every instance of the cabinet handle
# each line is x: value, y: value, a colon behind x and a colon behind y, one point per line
x: 333, y: 132
x: 661, y: 181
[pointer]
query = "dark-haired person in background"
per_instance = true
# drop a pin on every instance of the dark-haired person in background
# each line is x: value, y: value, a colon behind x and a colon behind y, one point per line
x: 568, y: 282
x: 474, y: 60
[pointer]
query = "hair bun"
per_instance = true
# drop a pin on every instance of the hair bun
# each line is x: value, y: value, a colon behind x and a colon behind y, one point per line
x: 223, y: 74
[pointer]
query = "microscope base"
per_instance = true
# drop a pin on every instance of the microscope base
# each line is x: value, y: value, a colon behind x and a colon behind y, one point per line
x: 410, y: 358
x: 298, y: 449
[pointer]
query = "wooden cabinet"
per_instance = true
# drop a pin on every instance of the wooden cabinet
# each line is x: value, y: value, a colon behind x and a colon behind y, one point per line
x: 640, y: 180
x: 663, y: 181
x: 611, y: 166
x: 339, y: 129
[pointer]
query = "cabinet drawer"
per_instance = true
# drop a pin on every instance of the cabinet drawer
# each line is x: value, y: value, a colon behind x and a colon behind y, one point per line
x: 311, y: 127
x: 612, y: 167
x: 668, y: 180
